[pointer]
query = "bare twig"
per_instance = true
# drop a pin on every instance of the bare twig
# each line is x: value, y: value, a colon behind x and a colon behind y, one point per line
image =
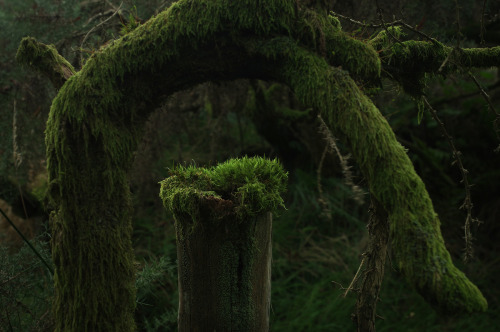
x: 459, y: 33
x: 18, y: 158
x: 326, y: 210
x: 94, y: 28
x: 496, y: 123
x: 391, y: 24
x: 481, y: 33
x: 14, y: 277
x: 418, y: 32
x: 450, y: 54
x: 465, y: 95
x: 381, y: 18
x: 467, y: 204
x: 356, y: 276
x: 366, y: 25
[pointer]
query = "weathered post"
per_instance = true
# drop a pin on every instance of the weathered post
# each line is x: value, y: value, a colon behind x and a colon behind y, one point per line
x: 223, y: 223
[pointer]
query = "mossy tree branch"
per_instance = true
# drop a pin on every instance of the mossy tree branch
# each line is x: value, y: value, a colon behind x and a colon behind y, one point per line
x: 408, y: 62
x: 45, y: 59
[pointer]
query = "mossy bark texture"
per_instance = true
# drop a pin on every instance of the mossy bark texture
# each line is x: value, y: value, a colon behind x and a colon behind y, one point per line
x: 224, y: 271
x: 224, y: 242
x: 378, y: 230
x: 98, y: 115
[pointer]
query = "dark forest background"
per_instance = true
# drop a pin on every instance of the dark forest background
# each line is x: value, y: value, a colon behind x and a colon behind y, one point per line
x: 318, y: 240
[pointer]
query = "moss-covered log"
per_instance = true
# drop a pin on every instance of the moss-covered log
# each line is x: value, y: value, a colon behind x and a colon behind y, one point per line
x: 224, y: 242
x: 98, y: 115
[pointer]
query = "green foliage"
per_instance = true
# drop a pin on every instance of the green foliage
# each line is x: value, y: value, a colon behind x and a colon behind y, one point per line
x: 26, y: 289
x: 151, y: 273
x: 153, y: 303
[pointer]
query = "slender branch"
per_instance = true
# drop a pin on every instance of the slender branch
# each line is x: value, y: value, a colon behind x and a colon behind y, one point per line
x: 391, y: 24
x: 465, y: 95
x: 95, y: 27
x: 356, y: 276
x: 467, y: 204
x: 323, y: 202
x: 459, y: 32
x: 381, y: 18
x: 450, y: 54
x: 492, y: 108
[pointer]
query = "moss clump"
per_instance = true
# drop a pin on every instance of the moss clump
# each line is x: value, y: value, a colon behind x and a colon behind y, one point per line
x: 252, y: 185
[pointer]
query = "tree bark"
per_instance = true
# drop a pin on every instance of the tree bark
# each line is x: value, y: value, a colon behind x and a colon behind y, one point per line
x: 378, y: 229
x: 224, y: 273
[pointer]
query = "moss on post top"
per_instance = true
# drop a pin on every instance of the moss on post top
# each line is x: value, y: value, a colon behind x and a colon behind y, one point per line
x: 249, y: 185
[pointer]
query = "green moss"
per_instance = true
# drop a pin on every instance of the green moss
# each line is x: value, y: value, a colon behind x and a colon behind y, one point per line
x: 323, y: 34
x: 253, y: 185
x: 385, y: 38
x: 45, y: 59
x: 411, y: 62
